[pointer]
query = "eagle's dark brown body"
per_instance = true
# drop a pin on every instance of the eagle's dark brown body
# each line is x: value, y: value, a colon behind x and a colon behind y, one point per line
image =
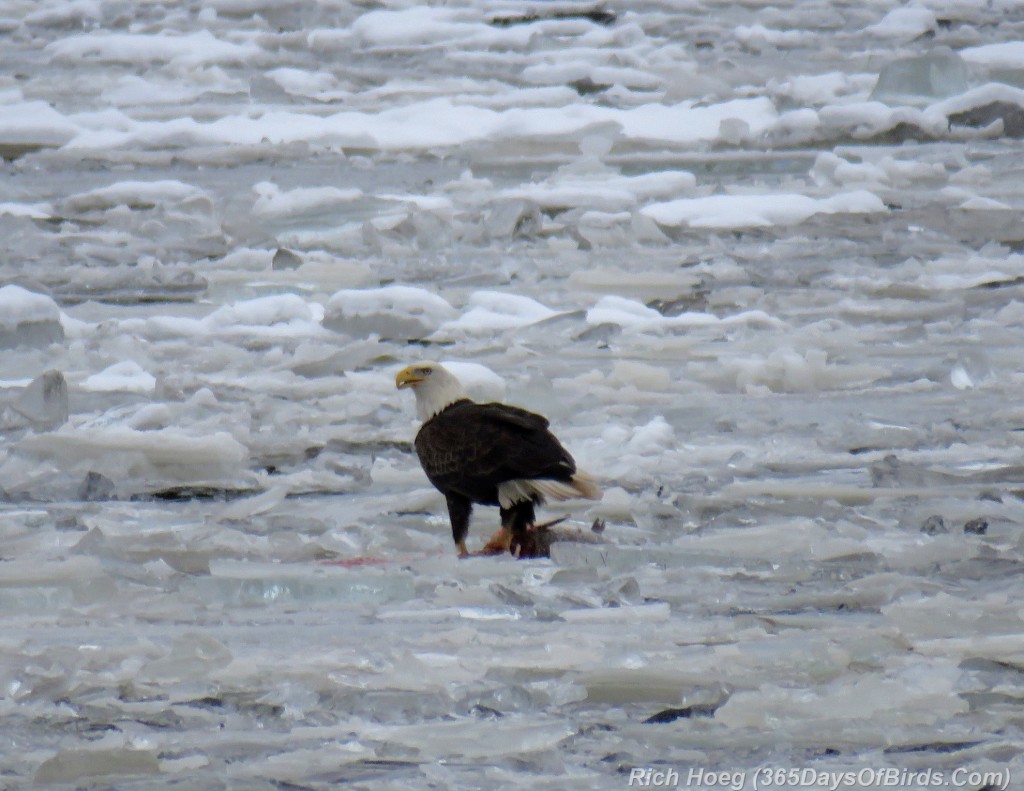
x: 468, y: 450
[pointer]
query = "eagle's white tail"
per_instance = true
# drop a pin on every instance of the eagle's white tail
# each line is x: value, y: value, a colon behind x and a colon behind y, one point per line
x: 586, y: 486
x: 580, y: 485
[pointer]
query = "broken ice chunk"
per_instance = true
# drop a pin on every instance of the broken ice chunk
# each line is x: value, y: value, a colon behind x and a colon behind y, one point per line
x: 167, y: 455
x: 751, y: 211
x: 494, y: 311
x: 247, y: 583
x: 127, y: 376
x: 513, y: 219
x: 904, y: 24
x: 273, y: 203
x: 251, y: 506
x: 970, y: 370
x: 274, y: 310
x: 960, y: 379
x: 95, y: 486
x: 28, y: 319
x: 465, y: 739
x: 633, y: 315
x: 285, y: 259
x: 73, y: 765
x: 45, y: 401
x: 135, y: 195
x: 658, y: 612
x: 193, y: 654
x: 392, y: 312
x: 921, y: 79
x: 150, y: 417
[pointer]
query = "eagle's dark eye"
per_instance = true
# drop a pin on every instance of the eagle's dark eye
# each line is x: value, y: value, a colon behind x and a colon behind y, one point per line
x: 423, y: 371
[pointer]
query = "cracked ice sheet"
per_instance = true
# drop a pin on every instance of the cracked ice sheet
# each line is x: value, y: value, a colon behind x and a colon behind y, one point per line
x: 241, y: 222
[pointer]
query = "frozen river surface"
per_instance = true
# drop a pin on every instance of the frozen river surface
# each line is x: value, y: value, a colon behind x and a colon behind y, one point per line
x: 761, y: 265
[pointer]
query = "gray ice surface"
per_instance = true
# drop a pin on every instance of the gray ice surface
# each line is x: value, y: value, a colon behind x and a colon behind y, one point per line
x: 774, y: 305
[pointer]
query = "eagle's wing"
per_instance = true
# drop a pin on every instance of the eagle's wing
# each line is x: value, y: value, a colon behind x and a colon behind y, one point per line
x: 473, y: 445
x: 513, y: 416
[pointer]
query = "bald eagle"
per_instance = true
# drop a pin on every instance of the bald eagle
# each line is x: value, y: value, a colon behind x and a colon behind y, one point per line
x: 489, y: 454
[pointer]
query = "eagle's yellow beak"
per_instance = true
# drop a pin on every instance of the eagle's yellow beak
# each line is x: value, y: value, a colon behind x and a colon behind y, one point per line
x: 407, y: 377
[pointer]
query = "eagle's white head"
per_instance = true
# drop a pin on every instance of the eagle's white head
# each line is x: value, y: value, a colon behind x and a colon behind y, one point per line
x: 434, y: 385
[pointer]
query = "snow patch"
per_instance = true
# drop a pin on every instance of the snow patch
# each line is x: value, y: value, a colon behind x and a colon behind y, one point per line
x: 21, y: 306
x: 742, y: 211
x: 493, y: 311
x: 192, y: 50
x: 128, y: 377
x: 395, y: 311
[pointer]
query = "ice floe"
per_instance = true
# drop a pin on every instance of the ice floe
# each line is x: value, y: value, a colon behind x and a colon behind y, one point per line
x: 488, y: 311
x: 273, y: 203
x: 634, y: 315
x: 758, y: 264
x: 390, y: 312
x: 739, y: 211
x: 133, y: 194
x: 28, y: 318
x: 196, y: 49
x: 126, y: 376
x: 904, y: 23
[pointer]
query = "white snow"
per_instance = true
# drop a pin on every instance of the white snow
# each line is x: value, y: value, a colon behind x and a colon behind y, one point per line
x: 264, y: 312
x: 132, y: 91
x: 71, y: 11
x: 36, y: 211
x: 272, y: 316
x: 569, y: 71
x: 121, y: 450
x: 402, y: 300
x: 904, y: 23
x: 979, y: 203
x: 1005, y: 55
x: 272, y: 202
x: 435, y: 123
x: 602, y: 189
x: 126, y: 376
x: 758, y: 264
x: 754, y: 35
x: 392, y: 311
x: 819, y: 89
x: 21, y: 306
x: 653, y: 438
x: 321, y: 84
x: 739, y: 211
x: 789, y: 370
x: 134, y: 194
x: 491, y: 311
x: 34, y: 122
x: 634, y: 315
x: 201, y: 48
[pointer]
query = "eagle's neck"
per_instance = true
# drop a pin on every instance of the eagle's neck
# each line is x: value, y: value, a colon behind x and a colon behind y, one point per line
x: 450, y: 406
x: 436, y: 395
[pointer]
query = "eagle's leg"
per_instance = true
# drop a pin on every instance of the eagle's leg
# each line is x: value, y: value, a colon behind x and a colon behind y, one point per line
x: 518, y: 519
x: 459, y: 509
